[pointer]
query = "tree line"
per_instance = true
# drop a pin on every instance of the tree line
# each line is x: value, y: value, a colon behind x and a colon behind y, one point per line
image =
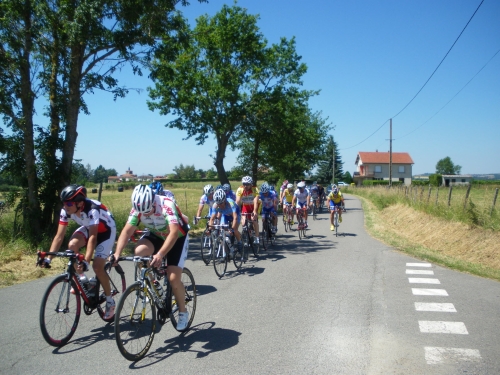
x: 220, y: 78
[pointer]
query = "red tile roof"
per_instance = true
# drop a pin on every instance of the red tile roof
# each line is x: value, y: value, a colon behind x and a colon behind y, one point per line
x: 383, y: 158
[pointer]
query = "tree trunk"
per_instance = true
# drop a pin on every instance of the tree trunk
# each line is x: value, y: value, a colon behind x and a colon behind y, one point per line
x: 222, y: 141
x: 255, y: 161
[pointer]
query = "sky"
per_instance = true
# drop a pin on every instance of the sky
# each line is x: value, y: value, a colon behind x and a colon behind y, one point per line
x: 369, y: 59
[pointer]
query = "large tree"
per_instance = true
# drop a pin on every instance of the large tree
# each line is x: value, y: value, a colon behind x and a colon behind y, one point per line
x: 57, y: 52
x: 446, y: 166
x: 325, y: 165
x: 224, y: 83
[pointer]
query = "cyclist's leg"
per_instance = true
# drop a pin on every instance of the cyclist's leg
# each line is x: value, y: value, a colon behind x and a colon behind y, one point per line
x: 76, y: 242
x: 175, y: 263
x: 103, y: 250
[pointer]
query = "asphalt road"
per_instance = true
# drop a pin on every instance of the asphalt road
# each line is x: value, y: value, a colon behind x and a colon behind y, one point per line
x: 321, y: 305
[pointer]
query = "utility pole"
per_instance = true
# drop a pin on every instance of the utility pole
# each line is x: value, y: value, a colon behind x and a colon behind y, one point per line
x: 333, y: 156
x: 390, y: 154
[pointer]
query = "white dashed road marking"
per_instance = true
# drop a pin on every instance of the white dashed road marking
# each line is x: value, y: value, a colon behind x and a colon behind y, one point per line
x: 423, y: 280
x: 418, y: 265
x: 457, y: 328
x: 438, y: 307
x: 436, y: 355
x: 419, y: 272
x: 429, y: 292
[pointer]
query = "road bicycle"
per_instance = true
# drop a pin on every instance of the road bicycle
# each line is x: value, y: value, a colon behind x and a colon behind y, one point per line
x: 301, y: 225
x: 336, y: 219
x: 207, y: 239
x: 315, y: 209
x: 287, y: 216
x: 248, y: 235
x: 267, y: 234
x: 60, y: 308
x: 147, y: 301
x: 223, y: 243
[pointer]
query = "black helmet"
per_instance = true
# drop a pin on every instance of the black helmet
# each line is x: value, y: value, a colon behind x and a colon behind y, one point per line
x: 73, y: 193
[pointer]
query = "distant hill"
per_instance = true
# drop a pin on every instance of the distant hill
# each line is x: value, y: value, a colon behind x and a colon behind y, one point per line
x: 486, y: 176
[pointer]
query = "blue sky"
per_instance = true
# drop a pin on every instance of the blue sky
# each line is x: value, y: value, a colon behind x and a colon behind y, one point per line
x: 369, y: 59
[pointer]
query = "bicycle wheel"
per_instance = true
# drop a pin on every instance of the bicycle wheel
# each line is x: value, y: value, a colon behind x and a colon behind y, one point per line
x: 315, y: 212
x: 59, y: 312
x: 220, y: 257
x: 135, y: 322
x: 187, y: 280
x: 264, y: 234
x: 245, y: 239
x: 254, y: 246
x: 336, y: 221
x: 206, y: 248
x: 117, y: 284
x: 238, y: 256
x: 300, y: 225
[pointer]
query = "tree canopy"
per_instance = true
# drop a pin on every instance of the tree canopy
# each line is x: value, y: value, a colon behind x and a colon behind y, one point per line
x: 446, y: 166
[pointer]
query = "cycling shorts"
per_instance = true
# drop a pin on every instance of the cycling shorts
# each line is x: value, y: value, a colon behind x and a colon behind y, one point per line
x: 105, y: 241
x: 247, y: 209
x: 267, y: 211
x: 301, y: 204
x: 333, y: 204
x: 177, y: 254
x: 228, y: 219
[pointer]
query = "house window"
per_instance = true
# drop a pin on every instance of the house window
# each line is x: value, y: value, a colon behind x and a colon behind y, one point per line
x: 401, y: 169
x: 401, y: 179
x: 463, y: 179
x: 378, y: 169
x: 453, y: 180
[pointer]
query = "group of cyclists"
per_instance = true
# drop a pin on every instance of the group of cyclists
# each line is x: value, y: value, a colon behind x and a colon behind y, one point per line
x: 167, y: 228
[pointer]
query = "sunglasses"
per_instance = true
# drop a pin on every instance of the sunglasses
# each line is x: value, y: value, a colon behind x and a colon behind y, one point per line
x: 247, y: 184
x: 69, y: 203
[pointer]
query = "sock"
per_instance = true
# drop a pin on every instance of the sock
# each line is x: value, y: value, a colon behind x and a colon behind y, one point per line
x: 110, y: 300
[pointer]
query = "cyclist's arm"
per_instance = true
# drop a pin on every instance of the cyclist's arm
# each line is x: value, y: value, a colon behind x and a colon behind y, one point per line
x: 127, y: 232
x: 167, y: 245
x: 58, y: 239
x: 200, y: 208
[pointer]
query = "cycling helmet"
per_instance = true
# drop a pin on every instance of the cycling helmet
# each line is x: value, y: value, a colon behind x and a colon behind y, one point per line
x: 289, y: 186
x: 208, y: 189
x: 219, y: 196
x: 264, y: 188
x: 73, y: 193
x: 335, y: 191
x: 301, y: 185
x: 157, y: 187
x: 226, y: 187
x: 218, y: 187
x: 142, y: 199
x: 285, y: 182
x: 247, y: 180
x: 271, y: 187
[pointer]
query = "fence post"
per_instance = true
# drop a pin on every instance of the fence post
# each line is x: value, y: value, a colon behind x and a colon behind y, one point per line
x: 406, y: 190
x: 437, y: 195
x: 466, y: 197
x: 429, y: 195
x: 494, y: 201
x: 100, y: 191
x: 185, y: 199
x: 422, y: 194
x: 449, y: 195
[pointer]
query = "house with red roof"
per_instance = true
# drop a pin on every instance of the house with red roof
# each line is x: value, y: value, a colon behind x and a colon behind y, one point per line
x: 375, y: 166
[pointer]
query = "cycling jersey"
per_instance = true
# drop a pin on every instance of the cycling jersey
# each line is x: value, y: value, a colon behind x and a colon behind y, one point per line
x: 247, y: 198
x: 268, y: 202
x: 94, y: 213
x: 210, y: 202
x: 335, y: 199
x: 229, y: 208
x: 166, y: 213
x: 301, y: 197
x: 288, y: 196
x: 231, y: 195
x: 314, y: 192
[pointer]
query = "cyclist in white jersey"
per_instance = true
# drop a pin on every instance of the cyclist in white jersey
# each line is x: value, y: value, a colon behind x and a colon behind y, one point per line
x: 301, y: 198
x: 206, y: 199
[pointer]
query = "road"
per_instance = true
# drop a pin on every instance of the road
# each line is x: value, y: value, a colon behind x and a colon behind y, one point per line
x: 321, y: 305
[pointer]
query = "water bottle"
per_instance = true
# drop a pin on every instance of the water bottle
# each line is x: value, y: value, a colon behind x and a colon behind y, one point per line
x: 84, y: 281
x: 91, y: 286
x: 158, y: 287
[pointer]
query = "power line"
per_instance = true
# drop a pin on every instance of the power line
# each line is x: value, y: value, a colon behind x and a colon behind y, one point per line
x: 441, y: 61
x: 365, y: 138
x: 454, y: 96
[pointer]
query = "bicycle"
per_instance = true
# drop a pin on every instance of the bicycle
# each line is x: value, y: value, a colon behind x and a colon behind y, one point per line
x: 207, y: 239
x: 315, y: 210
x: 146, y: 301
x: 221, y: 249
x: 60, y: 309
x: 287, y: 217
x: 267, y: 232
x: 248, y: 234
x: 301, y: 225
x: 336, y: 219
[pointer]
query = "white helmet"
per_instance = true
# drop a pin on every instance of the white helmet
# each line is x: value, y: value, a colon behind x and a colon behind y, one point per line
x: 219, y: 196
x: 247, y: 180
x: 289, y: 186
x: 301, y: 184
x: 264, y: 188
x: 208, y: 189
x: 142, y: 198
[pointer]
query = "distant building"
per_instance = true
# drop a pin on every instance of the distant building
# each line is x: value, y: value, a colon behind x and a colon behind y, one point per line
x: 127, y: 176
x: 375, y: 166
x: 456, y: 179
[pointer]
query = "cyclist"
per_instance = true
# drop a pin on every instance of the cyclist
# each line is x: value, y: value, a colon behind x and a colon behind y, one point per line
x: 229, y: 193
x: 335, y: 198
x: 301, y: 198
x: 247, y: 196
x: 314, y: 192
x: 269, y: 204
x: 321, y: 191
x: 206, y: 198
x: 230, y: 214
x: 97, y: 232
x: 286, y: 199
x: 158, y: 189
x: 167, y: 236
x: 283, y: 187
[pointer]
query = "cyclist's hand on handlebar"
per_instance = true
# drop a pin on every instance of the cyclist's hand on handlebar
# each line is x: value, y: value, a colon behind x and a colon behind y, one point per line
x: 84, y: 265
x: 196, y: 219
x: 156, y: 260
